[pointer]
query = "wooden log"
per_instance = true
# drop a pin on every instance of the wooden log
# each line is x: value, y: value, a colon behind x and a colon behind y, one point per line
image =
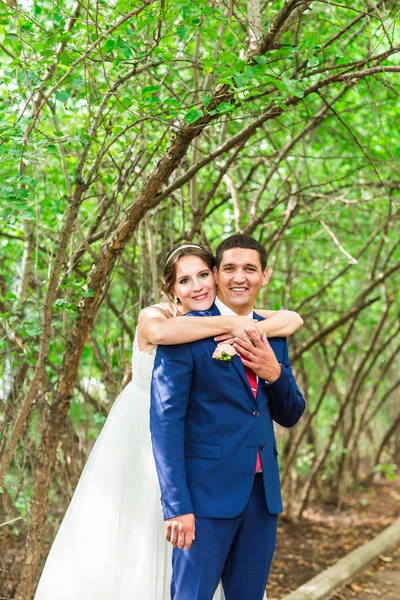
x: 325, y: 584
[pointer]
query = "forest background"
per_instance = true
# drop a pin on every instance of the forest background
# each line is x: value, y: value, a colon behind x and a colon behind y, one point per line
x: 127, y: 127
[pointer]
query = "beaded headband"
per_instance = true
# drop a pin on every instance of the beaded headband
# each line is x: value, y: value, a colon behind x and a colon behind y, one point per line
x: 181, y: 248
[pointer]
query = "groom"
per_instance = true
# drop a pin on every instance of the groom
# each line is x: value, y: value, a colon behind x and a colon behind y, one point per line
x: 214, y: 445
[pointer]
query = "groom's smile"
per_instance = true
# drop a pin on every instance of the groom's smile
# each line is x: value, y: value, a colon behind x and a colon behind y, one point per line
x: 239, y: 278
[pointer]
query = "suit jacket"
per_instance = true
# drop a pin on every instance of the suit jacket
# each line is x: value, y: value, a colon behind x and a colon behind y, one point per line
x: 206, y: 427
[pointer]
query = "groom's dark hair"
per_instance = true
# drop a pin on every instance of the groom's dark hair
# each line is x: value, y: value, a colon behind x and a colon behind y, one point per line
x: 239, y: 240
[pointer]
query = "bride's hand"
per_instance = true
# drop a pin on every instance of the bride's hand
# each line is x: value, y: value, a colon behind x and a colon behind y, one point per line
x: 239, y: 325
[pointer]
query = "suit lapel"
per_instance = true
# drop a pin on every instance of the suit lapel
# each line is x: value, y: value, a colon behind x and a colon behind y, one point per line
x: 259, y: 318
x: 236, y: 360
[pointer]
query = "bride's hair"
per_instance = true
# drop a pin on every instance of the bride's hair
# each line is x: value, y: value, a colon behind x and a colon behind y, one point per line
x: 174, y: 255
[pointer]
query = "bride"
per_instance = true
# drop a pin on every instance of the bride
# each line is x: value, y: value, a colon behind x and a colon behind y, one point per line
x: 111, y: 543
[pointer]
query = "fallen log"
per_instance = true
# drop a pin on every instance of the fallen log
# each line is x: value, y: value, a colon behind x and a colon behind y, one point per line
x: 324, y: 585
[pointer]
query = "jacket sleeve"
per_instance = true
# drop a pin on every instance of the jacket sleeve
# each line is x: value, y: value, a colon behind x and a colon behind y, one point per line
x: 170, y: 390
x: 285, y: 399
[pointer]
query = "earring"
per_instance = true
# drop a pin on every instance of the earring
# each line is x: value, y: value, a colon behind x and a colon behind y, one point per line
x: 175, y: 306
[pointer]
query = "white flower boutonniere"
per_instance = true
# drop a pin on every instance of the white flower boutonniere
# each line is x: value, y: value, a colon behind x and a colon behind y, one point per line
x: 224, y: 352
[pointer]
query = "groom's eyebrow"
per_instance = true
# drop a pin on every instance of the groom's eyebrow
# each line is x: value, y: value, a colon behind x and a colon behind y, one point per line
x: 252, y: 265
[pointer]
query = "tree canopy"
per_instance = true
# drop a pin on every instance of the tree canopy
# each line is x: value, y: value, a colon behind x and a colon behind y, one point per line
x: 129, y: 126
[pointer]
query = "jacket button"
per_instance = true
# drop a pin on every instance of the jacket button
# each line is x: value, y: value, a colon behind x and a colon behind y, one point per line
x: 256, y: 413
x: 262, y: 446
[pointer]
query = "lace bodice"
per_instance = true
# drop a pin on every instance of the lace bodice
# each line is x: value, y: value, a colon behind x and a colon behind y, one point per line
x: 142, y: 365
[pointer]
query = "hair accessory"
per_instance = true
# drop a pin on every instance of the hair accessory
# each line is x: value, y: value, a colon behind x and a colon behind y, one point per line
x: 175, y: 313
x: 181, y: 248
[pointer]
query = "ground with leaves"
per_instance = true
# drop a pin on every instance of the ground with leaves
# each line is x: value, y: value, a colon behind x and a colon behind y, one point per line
x: 381, y: 581
x: 304, y: 549
x: 324, y: 536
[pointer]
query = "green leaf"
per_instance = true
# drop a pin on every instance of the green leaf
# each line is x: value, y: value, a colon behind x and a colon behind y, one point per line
x: 150, y: 89
x: 206, y: 100
x: 298, y: 93
x: 172, y: 102
x: 240, y: 81
x: 77, y: 82
x: 63, y: 95
x: 225, y: 107
x: 282, y: 87
x: 261, y: 60
x: 182, y: 32
x: 193, y: 115
x: 109, y: 45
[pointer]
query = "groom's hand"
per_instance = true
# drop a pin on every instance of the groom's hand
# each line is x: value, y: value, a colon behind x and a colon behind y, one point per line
x: 259, y: 356
x: 180, y: 531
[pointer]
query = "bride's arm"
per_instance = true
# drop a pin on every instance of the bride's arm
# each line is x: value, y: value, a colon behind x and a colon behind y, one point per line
x: 279, y: 323
x: 158, y: 326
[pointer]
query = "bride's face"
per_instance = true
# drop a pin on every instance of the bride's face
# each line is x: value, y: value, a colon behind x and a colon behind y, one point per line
x: 194, y: 284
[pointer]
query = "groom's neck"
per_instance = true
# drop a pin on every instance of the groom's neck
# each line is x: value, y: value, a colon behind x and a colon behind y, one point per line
x: 242, y: 311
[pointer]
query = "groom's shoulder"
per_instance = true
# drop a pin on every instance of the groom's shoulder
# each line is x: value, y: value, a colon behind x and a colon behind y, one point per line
x: 210, y: 312
x: 197, y: 313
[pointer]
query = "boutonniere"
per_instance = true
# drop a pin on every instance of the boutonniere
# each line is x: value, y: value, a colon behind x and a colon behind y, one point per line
x: 224, y: 352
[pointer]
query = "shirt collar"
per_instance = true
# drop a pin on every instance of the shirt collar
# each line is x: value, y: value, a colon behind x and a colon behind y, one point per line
x: 225, y: 310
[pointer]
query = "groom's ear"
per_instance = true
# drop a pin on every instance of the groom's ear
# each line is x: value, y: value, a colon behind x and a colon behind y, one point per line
x: 265, y: 277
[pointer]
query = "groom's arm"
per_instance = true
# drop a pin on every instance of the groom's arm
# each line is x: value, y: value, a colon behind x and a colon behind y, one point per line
x: 286, y: 402
x: 170, y: 390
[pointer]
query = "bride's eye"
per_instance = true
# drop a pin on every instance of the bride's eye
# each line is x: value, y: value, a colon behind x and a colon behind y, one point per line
x: 204, y: 275
x: 185, y: 280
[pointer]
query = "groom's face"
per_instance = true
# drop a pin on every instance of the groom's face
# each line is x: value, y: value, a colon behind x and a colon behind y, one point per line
x: 239, y: 278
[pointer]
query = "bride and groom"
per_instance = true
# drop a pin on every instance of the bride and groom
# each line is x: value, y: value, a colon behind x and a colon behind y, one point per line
x: 213, y: 442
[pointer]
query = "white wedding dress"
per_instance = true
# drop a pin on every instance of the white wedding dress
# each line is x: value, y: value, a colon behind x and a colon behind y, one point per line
x: 111, y: 543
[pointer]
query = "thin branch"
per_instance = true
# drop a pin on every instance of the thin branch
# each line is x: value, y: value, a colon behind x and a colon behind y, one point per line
x: 94, y: 45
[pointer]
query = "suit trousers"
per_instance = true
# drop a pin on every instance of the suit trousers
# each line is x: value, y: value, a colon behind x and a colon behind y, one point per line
x: 239, y: 551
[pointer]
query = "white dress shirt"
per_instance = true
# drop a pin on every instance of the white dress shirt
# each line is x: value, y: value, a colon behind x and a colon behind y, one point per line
x: 225, y: 310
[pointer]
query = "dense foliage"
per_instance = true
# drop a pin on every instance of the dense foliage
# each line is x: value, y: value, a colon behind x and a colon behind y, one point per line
x: 127, y: 127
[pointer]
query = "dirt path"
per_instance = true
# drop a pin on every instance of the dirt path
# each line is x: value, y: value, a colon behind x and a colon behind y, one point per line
x: 325, y: 535
x: 381, y: 581
x: 304, y: 549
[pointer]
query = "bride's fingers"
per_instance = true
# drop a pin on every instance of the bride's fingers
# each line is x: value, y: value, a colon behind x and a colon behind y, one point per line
x: 228, y: 340
x: 223, y: 337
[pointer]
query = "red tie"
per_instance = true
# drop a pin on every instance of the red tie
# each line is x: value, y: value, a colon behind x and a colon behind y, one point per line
x: 251, y: 376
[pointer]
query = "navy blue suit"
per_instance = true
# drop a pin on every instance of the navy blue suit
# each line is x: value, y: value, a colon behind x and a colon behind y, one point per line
x: 206, y: 428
